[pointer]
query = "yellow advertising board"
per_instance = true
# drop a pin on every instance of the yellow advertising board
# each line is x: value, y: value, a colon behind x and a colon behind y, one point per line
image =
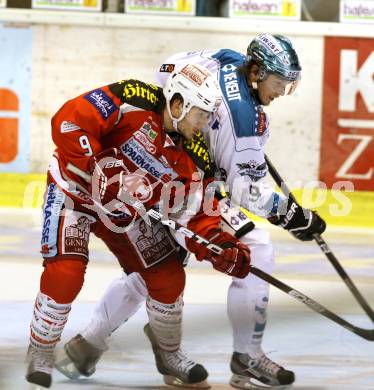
x: 81, y: 5
x: 266, y: 9
x: 161, y: 7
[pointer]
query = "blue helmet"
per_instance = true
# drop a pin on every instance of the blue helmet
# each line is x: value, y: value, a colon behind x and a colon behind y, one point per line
x: 274, y: 54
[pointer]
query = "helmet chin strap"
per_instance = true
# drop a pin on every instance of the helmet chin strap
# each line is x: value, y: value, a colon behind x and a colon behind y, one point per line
x: 174, y: 120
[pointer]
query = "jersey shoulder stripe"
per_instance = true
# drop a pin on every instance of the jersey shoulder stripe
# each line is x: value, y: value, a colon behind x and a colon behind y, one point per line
x: 248, y: 118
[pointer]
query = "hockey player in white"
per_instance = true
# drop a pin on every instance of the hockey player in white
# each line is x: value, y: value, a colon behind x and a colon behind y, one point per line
x: 236, y: 141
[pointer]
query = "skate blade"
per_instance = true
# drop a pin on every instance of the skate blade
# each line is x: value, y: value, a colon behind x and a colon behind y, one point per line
x: 66, y: 366
x: 244, y: 382
x: 173, y: 381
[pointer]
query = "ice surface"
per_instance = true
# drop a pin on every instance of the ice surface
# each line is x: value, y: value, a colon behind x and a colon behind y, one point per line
x: 323, y: 355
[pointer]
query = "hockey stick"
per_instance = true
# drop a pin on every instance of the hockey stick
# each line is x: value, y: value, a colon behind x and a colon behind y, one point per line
x: 367, y: 334
x: 323, y: 245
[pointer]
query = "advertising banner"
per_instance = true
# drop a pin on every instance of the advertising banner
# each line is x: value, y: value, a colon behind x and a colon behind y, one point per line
x: 356, y: 11
x: 81, y: 5
x: 161, y: 7
x: 266, y: 9
x: 347, y: 139
x: 15, y: 99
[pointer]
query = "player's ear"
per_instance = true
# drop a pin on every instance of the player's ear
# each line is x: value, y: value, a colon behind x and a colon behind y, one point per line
x: 253, y: 72
x: 176, y: 107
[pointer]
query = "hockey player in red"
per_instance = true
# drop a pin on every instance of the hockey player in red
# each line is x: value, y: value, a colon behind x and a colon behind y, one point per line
x: 113, y: 161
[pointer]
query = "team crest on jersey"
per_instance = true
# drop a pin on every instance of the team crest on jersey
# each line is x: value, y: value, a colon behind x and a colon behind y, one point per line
x: 137, y: 186
x: 252, y: 169
x: 102, y: 102
x: 167, y: 68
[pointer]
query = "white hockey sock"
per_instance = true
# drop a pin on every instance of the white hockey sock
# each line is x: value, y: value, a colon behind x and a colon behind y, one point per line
x: 165, y: 321
x: 48, y: 321
x: 120, y: 301
x: 247, y: 304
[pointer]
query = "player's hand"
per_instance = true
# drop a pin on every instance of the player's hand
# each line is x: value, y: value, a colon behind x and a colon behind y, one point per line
x: 300, y: 222
x: 106, y: 169
x: 235, y: 258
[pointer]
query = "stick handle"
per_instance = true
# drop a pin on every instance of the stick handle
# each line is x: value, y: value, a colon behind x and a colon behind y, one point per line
x: 323, y: 245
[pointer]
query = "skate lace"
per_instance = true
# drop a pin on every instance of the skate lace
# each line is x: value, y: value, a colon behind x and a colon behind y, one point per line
x: 268, y: 366
x: 179, y: 361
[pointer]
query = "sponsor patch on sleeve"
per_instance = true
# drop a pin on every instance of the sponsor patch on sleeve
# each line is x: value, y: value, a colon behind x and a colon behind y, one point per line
x: 102, y: 102
x: 67, y: 127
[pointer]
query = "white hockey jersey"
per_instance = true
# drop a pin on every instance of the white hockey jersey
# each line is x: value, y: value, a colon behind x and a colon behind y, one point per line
x: 238, y: 134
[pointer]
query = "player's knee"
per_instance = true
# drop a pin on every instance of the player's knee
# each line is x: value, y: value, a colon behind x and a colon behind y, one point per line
x: 169, y: 292
x: 166, y: 282
x: 63, y: 279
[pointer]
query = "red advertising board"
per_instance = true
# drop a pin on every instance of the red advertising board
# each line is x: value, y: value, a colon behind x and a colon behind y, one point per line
x: 347, y: 139
x: 9, y: 107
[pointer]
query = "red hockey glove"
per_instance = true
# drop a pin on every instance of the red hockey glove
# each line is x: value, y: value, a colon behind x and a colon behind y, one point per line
x: 234, y: 260
x: 107, y: 169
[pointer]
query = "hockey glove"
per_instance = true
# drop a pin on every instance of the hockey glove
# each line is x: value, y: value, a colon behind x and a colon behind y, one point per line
x: 107, y: 170
x: 234, y: 260
x: 300, y: 222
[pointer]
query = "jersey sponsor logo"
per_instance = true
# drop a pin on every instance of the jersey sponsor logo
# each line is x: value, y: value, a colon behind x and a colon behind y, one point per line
x: 252, y: 169
x: 146, y: 128
x: 76, y: 236
x: 197, y: 149
x: 134, y: 88
x: 231, y: 82
x: 136, y: 153
x: 167, y: 68
x: 261, y: 122
x: 102, y: 102
x: 152, y: 242
x: 268, y: 41
x: 193, y: 73
x: 141, y: 137
x: 52, y: 206
x: 67, y: 127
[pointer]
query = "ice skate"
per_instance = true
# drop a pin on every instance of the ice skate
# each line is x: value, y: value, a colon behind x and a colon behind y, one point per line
x: 78, y: 357
x: 176, y: 368
x: 261, y: 373
x: 40, y: 366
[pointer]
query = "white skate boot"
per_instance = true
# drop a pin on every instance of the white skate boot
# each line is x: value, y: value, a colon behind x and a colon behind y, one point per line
x: 176, y: 368
x: 261, y: 373
x: 40, y: 366
x: 78, y: 357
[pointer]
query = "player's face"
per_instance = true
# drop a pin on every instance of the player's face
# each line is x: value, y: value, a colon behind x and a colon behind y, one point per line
x: 273, y: 87
x: 196, y: 119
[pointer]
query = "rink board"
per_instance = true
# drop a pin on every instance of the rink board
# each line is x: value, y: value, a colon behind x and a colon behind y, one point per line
x: 26, y: 190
